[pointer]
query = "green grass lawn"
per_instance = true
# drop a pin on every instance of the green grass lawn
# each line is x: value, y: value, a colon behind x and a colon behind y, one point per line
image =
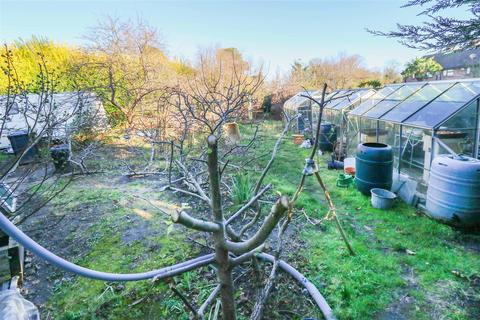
x: 406, y: 266
x: 404, y: 261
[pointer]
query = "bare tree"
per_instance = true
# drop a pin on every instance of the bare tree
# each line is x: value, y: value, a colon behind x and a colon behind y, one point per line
x: 212, y: 98
x: 339, y: 72
x: 221, y: 90
x: 124, y: 63
x: 391, y: 73
x: 210, y: 101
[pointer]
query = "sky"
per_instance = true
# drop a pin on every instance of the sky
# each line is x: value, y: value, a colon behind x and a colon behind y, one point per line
x: 275, y: 33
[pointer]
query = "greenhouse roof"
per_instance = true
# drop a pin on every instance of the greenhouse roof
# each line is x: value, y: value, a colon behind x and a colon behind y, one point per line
x: 419, y: 104
x: 339, y: 99
x: 342, y: 99
x: 299, y: 100
x: 296, y: 101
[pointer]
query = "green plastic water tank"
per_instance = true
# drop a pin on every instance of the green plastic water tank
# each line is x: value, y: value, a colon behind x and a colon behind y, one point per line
x: 373, y: 166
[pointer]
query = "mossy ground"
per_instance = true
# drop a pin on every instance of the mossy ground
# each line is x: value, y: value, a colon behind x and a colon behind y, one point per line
x: 406, y: 266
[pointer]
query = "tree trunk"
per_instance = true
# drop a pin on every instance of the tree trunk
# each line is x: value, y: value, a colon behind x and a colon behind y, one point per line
x: 224, y: 271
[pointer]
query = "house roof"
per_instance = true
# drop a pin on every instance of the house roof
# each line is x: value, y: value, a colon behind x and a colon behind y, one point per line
x: 456, y: 60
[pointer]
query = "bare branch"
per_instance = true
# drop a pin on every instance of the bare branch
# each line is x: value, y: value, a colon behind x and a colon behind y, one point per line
x: 247, y: 256
x: 194, y: 181
x: 248, y: 204
x: 277, y: 212
x: 208, y: 302
x: 188, y: 221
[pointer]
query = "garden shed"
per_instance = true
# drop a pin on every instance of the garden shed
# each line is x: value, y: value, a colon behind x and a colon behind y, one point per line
x: 420, y: 120
x: 29, y: 112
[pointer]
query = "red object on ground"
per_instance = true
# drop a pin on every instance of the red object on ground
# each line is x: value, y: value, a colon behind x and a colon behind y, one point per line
x: 350, y: 171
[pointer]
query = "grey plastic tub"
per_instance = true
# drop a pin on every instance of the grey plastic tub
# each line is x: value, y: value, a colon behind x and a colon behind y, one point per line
x: 382, y: 199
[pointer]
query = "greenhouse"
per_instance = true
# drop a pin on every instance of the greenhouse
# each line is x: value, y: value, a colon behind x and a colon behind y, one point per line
x: 419, y: 120
x: 298, y: 104
x: 339, y: 103
x: 336, y: 110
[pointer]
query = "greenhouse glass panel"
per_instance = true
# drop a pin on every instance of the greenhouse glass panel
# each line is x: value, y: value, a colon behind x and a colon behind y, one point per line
x: 433, y: 113
x: 373, y: 100
x: 415, y: 157
x: 344, y: 103
x: 445, y: 105
x: 380, y: 109
x: 337, y: 99
x: 368, y: 130
x: 392, y: 100
x: 460, y: 132
x: 316, y: 108
x: 337, y: 104
x: 353, y: 135
x: 416, y: 101
x: 405, y: 91
x: 347, y: 101
x: 336, y: 118
x: 461, y: 92
x: 7, y: 199
x: 388, y: 133
x: 318, y: 94
x: 327, y: 115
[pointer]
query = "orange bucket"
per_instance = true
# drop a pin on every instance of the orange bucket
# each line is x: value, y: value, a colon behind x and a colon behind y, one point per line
x: 350, y: 171
x: 298, y: 139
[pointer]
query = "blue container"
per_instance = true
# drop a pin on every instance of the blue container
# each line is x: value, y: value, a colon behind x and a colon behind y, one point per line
x: 20, y: 141
x: 328, y: 136
x: 305, y: 120
x: 373, y: 167
x: 300, y: 124
x: 453, y: 194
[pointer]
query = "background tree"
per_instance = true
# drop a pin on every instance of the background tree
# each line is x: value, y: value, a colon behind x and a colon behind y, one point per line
x: 27, y: 53
x: 280, y: 88
x: 440, y: 33
x: 221, y: 89
x: 342, y: 71
x: 300, y: 75
x: 370, y: 84
x: 391, y: 73
x: 421, y: 68
x: 125, y: 65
